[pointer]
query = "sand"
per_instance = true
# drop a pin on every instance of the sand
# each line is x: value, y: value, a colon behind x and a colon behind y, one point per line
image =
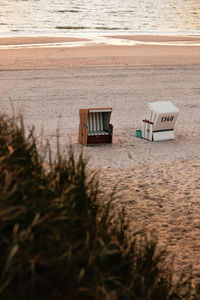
x: 158, y: 183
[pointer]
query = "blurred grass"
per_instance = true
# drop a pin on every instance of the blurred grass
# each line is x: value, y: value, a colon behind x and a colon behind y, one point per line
x: 59, y: 240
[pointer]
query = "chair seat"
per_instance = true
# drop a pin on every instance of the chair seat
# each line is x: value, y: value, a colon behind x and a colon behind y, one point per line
x: 101, y: 132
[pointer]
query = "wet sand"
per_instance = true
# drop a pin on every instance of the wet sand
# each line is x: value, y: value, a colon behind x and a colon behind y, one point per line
x: 102, y: 54
x: 22, y: 40
x: 157, y: 182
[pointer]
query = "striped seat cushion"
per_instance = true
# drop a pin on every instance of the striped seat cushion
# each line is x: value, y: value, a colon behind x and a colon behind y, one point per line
x: 95, y: 124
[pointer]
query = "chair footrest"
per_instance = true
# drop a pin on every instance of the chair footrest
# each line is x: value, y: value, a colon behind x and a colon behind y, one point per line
x: 99, y: 139
x: 163, y: 135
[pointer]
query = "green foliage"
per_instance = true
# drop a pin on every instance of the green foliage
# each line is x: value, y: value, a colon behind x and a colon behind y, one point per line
x: 60, y: 241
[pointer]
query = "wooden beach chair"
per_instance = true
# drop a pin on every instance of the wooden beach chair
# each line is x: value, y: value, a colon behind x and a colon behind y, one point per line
x: 159, y: 126
x: 95, y: 127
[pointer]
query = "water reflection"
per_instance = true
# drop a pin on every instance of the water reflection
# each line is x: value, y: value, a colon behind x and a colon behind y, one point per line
x: 98, y: 17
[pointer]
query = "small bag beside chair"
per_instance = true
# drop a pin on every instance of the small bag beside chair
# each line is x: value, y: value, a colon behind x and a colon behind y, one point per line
x: 95, y: 127
x: 159, y: 126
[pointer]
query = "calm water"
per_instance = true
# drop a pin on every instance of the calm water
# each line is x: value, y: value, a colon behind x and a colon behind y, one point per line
x: 97, y: 17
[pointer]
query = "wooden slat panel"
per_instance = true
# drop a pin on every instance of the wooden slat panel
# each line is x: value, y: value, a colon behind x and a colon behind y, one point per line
x: 79, y: 135
x: 85, y: 135
x: 83, y: 113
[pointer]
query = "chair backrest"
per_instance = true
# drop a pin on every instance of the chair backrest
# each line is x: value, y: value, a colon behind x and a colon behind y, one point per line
x: 95, y: 121
x: 163, y: 115
x: 98, y: 119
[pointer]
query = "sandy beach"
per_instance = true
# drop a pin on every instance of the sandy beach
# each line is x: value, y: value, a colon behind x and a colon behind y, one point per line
x: 158, y: 183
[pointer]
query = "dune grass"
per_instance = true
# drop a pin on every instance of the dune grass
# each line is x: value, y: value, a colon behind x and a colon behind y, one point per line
x: 59, y: 240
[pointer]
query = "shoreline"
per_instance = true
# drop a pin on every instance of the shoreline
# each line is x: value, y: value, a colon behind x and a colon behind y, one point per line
x: 114, y: 51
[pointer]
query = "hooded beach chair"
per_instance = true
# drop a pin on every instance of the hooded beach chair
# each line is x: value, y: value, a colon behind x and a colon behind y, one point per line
x: 95, y: 127
x: 161, y: 120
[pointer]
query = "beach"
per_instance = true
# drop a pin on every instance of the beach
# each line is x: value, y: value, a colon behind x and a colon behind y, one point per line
x: 158, y: 183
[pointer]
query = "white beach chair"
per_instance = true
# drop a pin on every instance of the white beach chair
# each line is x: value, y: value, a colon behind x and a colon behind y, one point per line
x: 159, y: 126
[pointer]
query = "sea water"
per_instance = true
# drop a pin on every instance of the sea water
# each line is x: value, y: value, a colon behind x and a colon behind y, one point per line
x: 98, y: 17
